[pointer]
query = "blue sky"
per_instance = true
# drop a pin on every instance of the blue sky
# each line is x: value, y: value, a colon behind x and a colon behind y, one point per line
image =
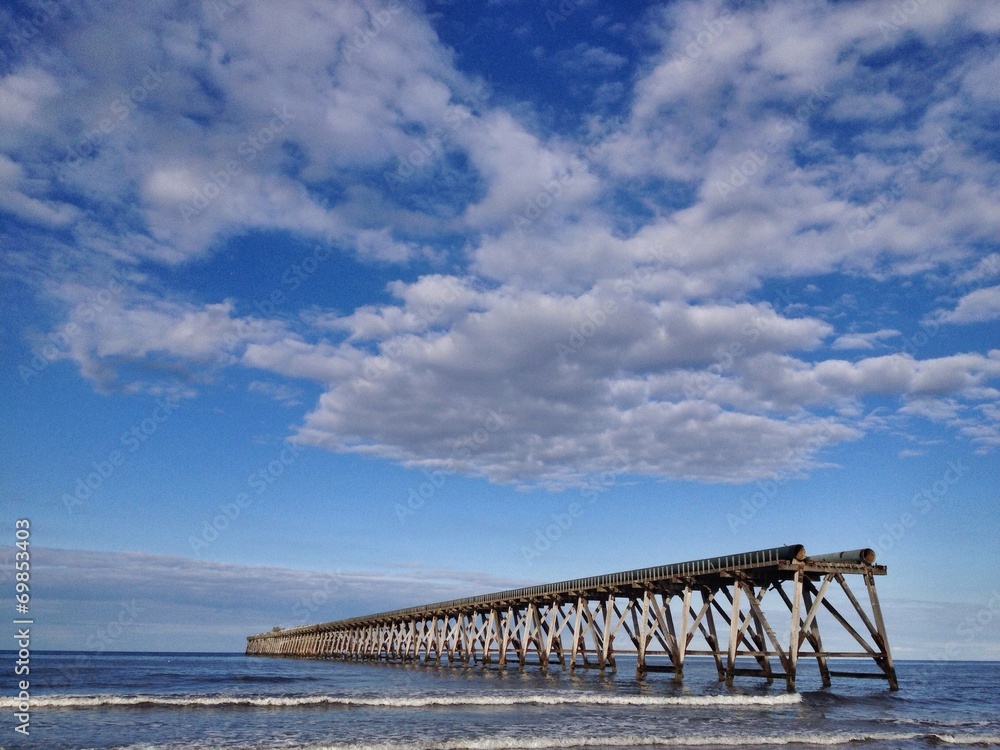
x: 315, y: 309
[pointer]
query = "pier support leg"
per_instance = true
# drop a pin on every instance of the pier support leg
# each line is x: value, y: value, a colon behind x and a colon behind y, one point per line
x: 882, y: 640
x: 682, y: 636
x: 712, y: 636
x: 642, y: 636
x: 816, y: 640
x: 734, y: 635
x: 795, y: 639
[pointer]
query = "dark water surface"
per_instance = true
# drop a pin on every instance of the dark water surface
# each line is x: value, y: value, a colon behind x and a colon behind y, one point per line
x: 160, y: 701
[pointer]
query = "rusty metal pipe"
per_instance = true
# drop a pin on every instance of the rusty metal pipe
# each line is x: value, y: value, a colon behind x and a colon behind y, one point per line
x: 865, y: 555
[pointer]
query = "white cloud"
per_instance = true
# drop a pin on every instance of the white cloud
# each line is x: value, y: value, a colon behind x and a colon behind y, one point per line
x: 936, y: 409
x: 14, y: 198
x: 522, y: 173
x: 119, y: 328
x: 222, y: 125
x: 980, y: 81
x: 296, y: 358
x: 863, y: 340
x: 583, y: 59
x: 740, y: 116
x: 867, y: 107
x: 281, y: 392
x: 977, y: 306
x: 21, y: 95
x: 784, y: 380
x: 592, y: 384
x: 985, y: 268
x: 596, y: 300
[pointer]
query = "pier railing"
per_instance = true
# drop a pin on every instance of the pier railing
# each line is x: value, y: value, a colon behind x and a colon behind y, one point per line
x: 662, y: 614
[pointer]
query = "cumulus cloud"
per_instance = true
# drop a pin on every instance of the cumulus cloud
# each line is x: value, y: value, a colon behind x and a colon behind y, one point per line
x: 767, y: 208
x: 978, y: 306
x: 222, y: 123
x: 559, y: 388
x: 593, y: 299
x: 863, y: 340
x: 116, y: 331
x: 781, y: 380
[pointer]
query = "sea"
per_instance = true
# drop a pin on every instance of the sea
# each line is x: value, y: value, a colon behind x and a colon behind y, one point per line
x: 176, y: 701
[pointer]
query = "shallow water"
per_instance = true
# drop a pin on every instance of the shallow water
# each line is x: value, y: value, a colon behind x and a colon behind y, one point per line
x: 196, y: 701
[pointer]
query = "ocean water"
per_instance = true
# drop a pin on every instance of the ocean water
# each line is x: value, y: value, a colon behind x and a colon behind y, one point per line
x: 198, y: 701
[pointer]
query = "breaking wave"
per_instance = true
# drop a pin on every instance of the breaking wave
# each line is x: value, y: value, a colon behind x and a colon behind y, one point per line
x: 638, y: 740
x: 221, y: 701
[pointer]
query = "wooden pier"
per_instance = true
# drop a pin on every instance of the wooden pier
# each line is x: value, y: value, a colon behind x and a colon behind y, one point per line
x: 661, y: 615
